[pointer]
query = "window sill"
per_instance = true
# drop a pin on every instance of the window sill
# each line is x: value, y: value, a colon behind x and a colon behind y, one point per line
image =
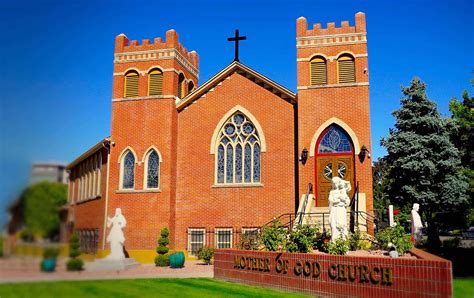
x: 137, y: 190
x: 238, y: 185
x: 87, y: 200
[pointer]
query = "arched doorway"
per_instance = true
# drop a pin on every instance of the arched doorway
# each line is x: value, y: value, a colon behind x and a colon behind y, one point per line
x: 334, y: 152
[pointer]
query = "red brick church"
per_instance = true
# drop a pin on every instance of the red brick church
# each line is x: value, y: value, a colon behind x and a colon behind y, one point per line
x: 213, y: 160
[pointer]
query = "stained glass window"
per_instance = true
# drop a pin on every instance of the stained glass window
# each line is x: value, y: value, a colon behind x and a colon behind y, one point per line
x: 238, y: 152
x: 153, y: 170
x: 128, y: 170
x: 335, y: 140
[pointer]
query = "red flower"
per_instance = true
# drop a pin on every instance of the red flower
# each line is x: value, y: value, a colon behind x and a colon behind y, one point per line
x: 396, y: 211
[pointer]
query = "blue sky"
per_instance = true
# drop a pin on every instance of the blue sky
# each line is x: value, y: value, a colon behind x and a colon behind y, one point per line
x: 56, y: 61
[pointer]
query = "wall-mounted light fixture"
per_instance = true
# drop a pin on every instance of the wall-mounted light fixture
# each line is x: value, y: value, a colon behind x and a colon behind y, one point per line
x: 364, y: 152
x: 304, y: 156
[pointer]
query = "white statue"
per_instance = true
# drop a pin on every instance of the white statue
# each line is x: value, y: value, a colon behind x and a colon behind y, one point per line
x: 338, y: 201
x: 116, y: 237
x: 416, y: 224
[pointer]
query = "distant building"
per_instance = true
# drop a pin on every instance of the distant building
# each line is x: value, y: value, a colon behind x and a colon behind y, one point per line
x: 48, y: 171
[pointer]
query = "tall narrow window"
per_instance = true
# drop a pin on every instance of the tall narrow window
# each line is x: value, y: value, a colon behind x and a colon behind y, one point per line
x: 131, y: 84
x: 128, y: 170
x: 346, y: 69
x: 238, y: 152
x: 181, y: 85
x: 318, y: 71
x: 155, y: 82
x: 152, y: 170
x: 190, y: 87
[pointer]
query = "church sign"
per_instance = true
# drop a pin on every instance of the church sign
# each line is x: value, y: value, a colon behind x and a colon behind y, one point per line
x: 322, y: 274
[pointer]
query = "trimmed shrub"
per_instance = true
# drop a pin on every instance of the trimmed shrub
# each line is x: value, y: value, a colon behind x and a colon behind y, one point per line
x: 74, y: 263
x: 162, y: 259
x: 205, y: 253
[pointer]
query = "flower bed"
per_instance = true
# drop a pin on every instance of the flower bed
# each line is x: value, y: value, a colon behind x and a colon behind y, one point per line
x: 323, y: 274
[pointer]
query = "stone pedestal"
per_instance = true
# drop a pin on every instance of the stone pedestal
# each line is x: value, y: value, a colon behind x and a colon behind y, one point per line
x: 109, y: 265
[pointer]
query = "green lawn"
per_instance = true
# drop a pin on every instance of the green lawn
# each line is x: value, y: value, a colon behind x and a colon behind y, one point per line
x: 172, y: 287
x: 463, y: 287
x: 163, y: 287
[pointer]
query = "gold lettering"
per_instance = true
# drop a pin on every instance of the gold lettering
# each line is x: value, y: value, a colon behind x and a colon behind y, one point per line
x: 254, y: 264
x: 387, y: 276
x: 316, y: 269
x: 373, y: 278
x: 307, y: 268
x: 363, y: 273
x: 332, y: 271
x: 341, y: 272
x: 260, y: 264
x: 237, y: 262
x: 352, y: 272
x: 298, y: 268
x: 279, y: 266
x: 267, y: 265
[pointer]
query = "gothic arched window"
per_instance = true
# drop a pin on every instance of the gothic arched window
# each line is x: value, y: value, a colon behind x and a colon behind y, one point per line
x: 127, y: 170
x: 238, y: 152
x: 335, y: 140
x: 152, y: 170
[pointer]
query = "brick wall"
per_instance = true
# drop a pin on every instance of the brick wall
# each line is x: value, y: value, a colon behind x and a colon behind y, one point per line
x: 339, y: 276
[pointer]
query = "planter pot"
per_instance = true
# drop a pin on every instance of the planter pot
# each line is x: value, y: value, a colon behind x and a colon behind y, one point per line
x: 48, y: 265
x: 177, y: 260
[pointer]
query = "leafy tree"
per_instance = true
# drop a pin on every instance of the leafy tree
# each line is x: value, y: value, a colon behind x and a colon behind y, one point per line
x: 423, y: 164
x: 42, y: 202
x: 463, y: 137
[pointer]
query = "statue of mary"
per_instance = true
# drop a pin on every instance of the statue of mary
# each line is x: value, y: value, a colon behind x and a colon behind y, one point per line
x: 338, y: 201
x: 116, y: 237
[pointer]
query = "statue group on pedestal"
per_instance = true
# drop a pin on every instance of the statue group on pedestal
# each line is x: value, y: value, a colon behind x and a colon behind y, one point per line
x: 338, y: 202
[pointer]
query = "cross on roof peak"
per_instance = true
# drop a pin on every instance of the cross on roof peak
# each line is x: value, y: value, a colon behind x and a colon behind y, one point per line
x: 236, y: 38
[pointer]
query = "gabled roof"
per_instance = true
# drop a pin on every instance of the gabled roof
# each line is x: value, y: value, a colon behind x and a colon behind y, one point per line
x: 245, y: 71
x: 101, y: 144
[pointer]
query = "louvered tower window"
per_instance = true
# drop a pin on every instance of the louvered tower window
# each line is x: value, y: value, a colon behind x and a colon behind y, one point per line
x: 181, y: 85
x: 318, y: 71
x: 346, y: 69
x: 131, y: 84
x: 155, y: 82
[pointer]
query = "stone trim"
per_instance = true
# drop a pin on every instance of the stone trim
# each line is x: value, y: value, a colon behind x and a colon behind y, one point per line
x: 152, y: 190
x: 330, y: 40
x: 332, y: 86
x: 331, y: 58
x: 146, y: 97
x: 238, y: 185
x: 153, y: 55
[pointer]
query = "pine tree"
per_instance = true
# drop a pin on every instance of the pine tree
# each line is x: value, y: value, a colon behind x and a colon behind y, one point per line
x: 423, y: 164
x: 74, y: 263
x: 463, y: 138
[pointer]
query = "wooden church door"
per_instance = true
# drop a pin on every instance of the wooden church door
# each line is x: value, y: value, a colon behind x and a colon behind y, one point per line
x: 334, y: 158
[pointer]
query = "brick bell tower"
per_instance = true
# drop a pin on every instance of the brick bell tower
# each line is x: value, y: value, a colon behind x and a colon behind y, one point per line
x: 333, y: 109
x: 149, y: 78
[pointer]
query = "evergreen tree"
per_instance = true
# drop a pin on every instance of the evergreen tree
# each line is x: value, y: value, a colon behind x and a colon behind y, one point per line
x: 423, y: 164
x: 463, y: 138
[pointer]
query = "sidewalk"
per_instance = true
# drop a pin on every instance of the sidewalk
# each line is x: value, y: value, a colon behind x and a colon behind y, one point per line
x: 27, y: 269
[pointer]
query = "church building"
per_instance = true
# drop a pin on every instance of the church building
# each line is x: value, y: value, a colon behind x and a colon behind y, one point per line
x: 211, y: 161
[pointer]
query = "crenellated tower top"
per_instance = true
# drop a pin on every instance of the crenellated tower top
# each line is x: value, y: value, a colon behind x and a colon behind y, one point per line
x: 126, y: 50
x: 331, y: 29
